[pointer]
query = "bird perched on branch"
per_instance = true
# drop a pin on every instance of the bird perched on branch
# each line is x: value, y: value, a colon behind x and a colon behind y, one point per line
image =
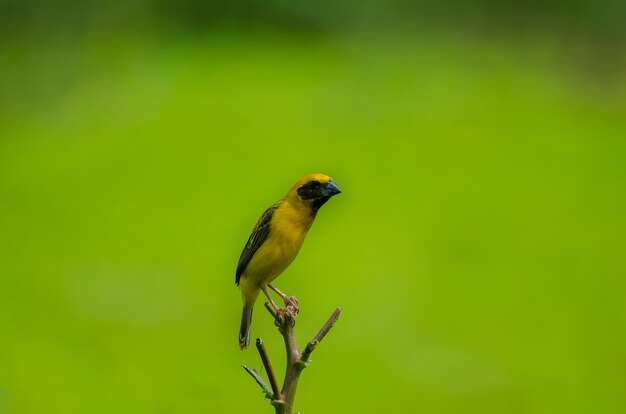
x: 276, y: 240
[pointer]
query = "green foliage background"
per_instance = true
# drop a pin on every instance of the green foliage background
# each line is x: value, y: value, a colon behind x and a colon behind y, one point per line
x: 477, y: 249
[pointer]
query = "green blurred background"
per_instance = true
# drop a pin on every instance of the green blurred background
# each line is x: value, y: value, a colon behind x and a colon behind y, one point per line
x: 478, y: 249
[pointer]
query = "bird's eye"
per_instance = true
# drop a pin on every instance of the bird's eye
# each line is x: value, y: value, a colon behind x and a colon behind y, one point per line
x: 315, y: 183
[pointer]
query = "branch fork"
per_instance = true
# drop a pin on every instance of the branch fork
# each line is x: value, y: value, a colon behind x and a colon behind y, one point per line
x: 284, y: 319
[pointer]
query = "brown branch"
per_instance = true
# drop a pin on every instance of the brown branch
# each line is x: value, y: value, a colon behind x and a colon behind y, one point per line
x: 283, y: 400
x: 310, y: 347
x: 268, y: 368
x: 271, y: 311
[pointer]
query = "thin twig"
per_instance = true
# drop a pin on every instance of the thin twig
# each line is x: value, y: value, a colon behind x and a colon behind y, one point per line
x: 271, y: 310
x: 268, y: 368
x: 310, y: 347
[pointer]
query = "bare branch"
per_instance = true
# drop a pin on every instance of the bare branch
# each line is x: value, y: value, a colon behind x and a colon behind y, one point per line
x: 310, y: 347
x: 268, y: 367
x: 271, y: 310
x: 284, y: 319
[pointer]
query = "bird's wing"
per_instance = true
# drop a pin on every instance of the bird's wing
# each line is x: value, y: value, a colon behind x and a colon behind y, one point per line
x: 257, y: 238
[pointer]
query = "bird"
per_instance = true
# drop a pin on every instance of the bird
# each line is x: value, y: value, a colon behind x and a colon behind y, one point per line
x: 275, y: 242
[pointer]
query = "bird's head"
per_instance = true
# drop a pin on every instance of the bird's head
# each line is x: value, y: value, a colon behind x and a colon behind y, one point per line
x: 314, y: 190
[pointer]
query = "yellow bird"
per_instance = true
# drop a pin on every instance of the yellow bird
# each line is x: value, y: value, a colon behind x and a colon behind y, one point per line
x: 276, y: 240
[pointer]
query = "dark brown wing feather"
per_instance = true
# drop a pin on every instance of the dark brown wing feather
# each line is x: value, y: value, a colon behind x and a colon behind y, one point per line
x: 259, y: 234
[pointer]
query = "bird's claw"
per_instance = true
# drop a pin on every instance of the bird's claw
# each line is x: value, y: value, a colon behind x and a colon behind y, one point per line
x: 288, y: 311
x: 292, y: 302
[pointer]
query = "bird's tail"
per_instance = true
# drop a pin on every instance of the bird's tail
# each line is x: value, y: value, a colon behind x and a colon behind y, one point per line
x: 244, y: 329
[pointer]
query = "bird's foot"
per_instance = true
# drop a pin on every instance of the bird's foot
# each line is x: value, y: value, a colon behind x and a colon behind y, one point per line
x: 292, y: 303
x: 288, y: 312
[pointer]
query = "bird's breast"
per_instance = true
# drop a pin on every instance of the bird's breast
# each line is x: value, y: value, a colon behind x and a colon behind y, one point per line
x: 288, y: 230
x: 289, y: 238
x: 290, y: 225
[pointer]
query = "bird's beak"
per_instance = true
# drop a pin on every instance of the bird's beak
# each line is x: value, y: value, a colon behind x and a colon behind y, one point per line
x: 330, y: 189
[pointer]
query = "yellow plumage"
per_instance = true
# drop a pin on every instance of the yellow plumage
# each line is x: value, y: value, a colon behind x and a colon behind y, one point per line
x: 276, y: 240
